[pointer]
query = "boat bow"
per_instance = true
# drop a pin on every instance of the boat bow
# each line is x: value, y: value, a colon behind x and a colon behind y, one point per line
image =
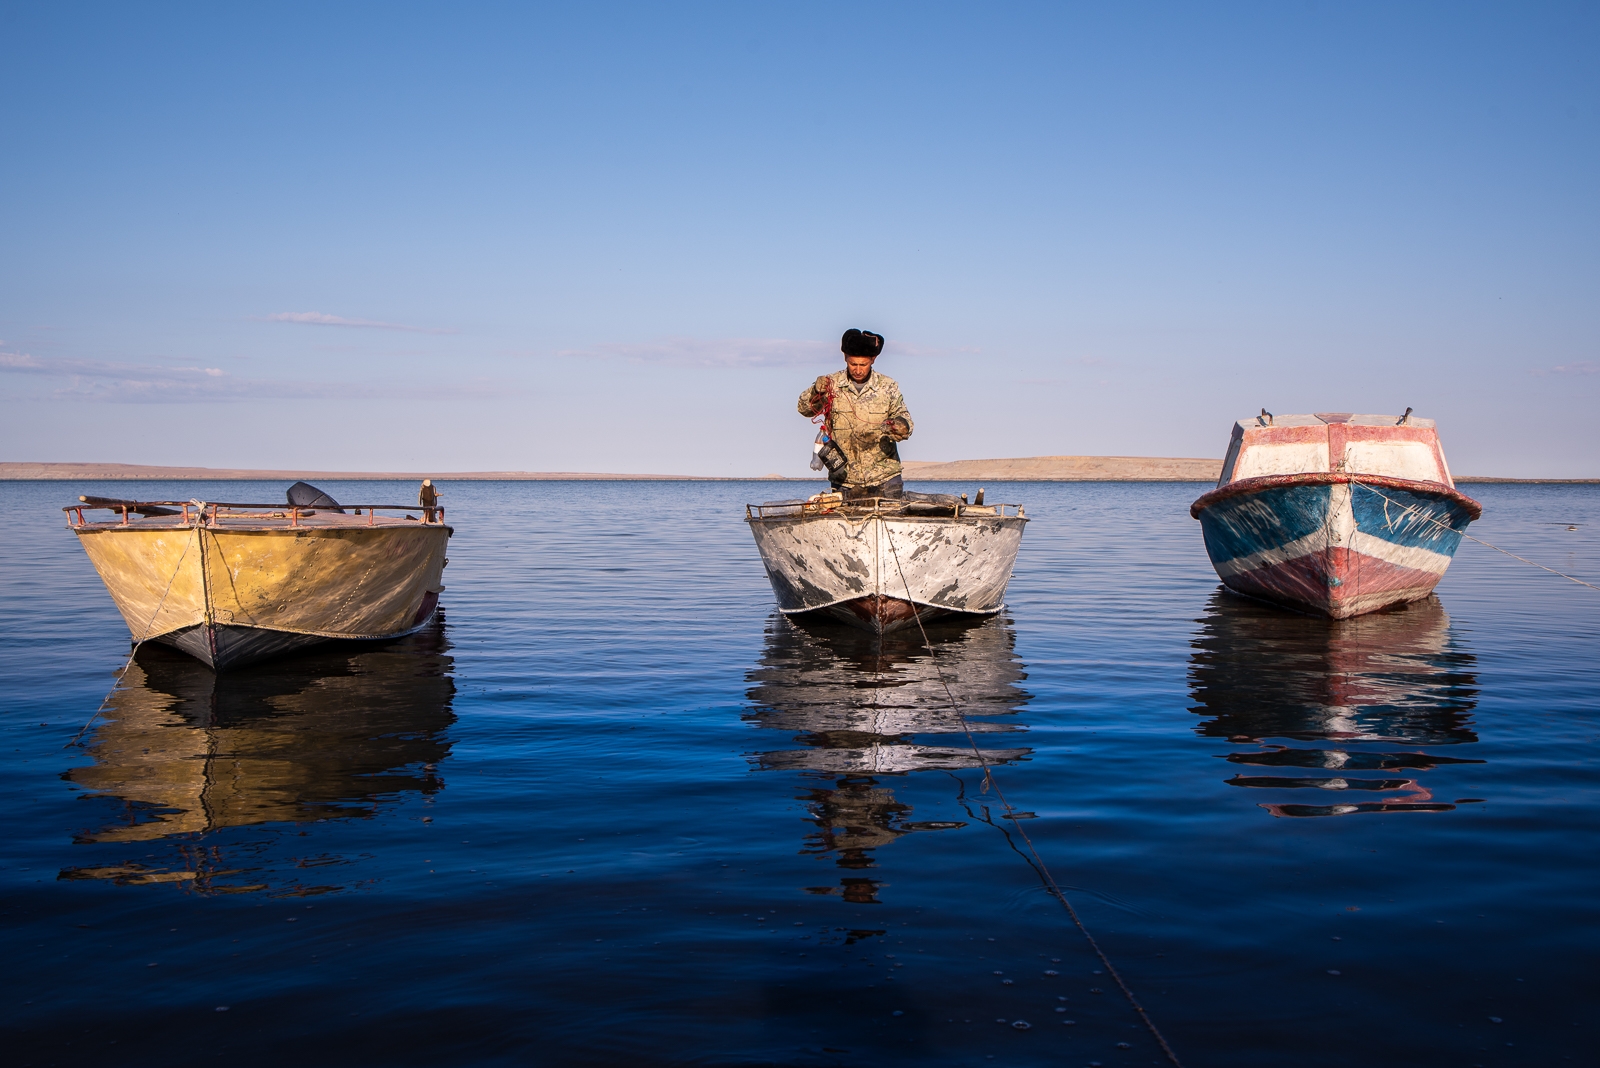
x: 883, y: 564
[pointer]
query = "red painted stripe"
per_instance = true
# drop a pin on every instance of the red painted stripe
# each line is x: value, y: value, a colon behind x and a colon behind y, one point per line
x: 1304, y: 580
x: 1338, y: 435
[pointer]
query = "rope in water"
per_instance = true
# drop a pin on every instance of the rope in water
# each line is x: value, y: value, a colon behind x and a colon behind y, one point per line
x: 1429, y: 519
x: 116, y: 683
x: 989, y: 780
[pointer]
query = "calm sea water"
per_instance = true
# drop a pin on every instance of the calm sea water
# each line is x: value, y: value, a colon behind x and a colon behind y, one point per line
x: 615, y: 810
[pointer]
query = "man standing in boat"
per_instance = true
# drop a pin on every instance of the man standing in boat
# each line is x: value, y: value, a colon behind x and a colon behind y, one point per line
x: 865, y: 416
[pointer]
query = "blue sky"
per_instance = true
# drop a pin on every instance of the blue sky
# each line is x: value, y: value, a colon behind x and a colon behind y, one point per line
x: 623, y: 238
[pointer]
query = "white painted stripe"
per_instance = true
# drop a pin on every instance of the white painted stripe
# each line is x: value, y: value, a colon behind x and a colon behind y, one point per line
x: 1413, y: 556
x: 1317, y: 541
x: 1314, y: 542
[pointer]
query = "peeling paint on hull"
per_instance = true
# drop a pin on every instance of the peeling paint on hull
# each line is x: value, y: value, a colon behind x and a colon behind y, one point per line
x: 883, y: 572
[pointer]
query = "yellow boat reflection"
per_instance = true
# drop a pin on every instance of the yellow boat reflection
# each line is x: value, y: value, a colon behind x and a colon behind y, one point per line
x: 185, y: 752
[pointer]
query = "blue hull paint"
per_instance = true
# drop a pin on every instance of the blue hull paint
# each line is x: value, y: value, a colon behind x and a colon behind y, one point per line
x: 1270, y: 519
x: 1338, y: 549
x: 1402, y: 517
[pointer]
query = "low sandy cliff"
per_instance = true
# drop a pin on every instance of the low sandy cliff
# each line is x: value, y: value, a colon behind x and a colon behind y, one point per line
x: 1024, y: 469
x: 1070, y: 469
x: 109, y: 472
x: 1029, y: 469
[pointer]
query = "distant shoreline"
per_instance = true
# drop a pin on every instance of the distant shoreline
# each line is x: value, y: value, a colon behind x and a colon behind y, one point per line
x: 1023, y: 469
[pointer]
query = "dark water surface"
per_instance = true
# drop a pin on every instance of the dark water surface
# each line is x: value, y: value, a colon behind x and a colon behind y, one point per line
x: 614, y: 810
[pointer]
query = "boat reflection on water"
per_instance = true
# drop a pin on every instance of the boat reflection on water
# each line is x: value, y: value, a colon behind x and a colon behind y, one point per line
x: 184, y: 753
x: 1362, y: 687
x: 866, y: 708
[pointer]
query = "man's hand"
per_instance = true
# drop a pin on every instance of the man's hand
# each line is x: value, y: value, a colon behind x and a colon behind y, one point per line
x: 896, y: 429
x: 823, y: 384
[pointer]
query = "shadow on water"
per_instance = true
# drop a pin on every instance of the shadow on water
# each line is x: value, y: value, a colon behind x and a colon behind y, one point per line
x: 1361, y: 687
x: 181, y: 753
x: 867, y: 709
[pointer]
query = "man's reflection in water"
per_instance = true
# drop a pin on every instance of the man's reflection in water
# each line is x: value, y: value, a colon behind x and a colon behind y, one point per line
x: 1361, y: 686
x: 329, y: 734
x: 867, y: 708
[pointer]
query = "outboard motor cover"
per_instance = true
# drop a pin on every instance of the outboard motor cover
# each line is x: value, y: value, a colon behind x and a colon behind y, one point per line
x: 305, y: 495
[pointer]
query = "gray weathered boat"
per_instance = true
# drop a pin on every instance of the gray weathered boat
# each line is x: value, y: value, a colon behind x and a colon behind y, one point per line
x: 882, y: 564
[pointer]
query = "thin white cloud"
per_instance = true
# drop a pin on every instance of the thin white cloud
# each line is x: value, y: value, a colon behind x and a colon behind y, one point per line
x: 126, y: 383
x: 324, y: 319
x: 23, y: 363
x: 1080, y: 361
x: 736, y: 352
x: 714, y: 352
x: 905, y: 348
x: 1580, y: 367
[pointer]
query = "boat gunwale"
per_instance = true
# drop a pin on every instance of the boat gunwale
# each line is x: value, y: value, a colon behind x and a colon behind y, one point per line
x: 259, y: 517
x: 113, y: 504
x: 858, y: 512
x: 886, y: 516
x: 253, y: 525
x: 1246, y: 486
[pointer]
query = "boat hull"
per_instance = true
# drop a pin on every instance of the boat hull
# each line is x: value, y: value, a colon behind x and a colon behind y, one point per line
x: 1333, y: 545
x: 883, y: 572
x: 231, y: 597
x: 223, y: 647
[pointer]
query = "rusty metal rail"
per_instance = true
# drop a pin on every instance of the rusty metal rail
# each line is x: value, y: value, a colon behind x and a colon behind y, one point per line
x: 870, y: 506
x: 210, y: 512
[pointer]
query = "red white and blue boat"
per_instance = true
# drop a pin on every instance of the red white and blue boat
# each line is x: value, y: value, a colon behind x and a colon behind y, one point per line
x: 1334, y: 514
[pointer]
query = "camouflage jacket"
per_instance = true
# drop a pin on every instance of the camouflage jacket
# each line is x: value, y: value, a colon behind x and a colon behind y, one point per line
x: 857, y: 424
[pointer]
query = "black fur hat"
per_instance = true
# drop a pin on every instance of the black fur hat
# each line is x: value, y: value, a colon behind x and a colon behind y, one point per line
x: 861, y: 343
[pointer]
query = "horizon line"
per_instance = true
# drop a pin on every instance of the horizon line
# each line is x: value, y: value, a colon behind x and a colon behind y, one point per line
x: 58, y: 471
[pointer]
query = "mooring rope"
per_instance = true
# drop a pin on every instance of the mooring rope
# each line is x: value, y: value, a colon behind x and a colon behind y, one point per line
x: 1429, y: 519
x: 989, y: 780
x: 117, y: 682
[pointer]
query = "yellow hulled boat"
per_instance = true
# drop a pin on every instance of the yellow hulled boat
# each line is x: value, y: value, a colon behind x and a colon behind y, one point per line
x: 231, y: 584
